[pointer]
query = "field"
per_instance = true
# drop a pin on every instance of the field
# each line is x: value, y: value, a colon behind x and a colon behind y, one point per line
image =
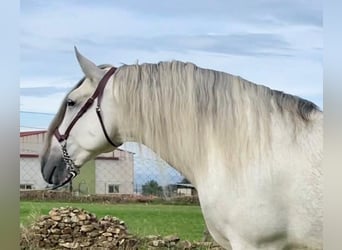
x: 141, y: 219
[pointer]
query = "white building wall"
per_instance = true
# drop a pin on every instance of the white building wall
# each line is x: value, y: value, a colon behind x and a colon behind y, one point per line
x: 30, y: 173
x: 114, y: 172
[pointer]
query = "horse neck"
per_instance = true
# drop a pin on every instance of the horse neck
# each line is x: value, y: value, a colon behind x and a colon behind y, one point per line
x: 172, y: 143
x: 178, y: 148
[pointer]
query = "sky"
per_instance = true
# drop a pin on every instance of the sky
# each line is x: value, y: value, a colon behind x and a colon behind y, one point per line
x: 271, y: 42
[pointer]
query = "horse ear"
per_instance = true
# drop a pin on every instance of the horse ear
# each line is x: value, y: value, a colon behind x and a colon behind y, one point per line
x: 89, y: 68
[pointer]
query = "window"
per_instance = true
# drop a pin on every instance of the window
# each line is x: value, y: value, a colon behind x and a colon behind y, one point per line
x: 26, y: 186
x: 113, y: 188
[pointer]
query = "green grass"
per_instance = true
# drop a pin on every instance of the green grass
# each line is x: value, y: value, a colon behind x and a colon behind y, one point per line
x: 150, y: 219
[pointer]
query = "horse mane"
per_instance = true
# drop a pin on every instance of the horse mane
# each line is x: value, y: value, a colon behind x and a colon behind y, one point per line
x: 302, y: 107
x: 168, y: 102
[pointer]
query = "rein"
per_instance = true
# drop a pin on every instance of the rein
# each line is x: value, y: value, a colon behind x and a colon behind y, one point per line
x: 62, y: 138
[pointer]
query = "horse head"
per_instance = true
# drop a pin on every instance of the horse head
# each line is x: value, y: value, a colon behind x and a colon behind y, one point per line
x: 80, y: 131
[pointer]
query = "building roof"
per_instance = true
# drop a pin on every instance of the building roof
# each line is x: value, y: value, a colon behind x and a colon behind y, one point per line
x: 34, y: 132
x: 185, y: 185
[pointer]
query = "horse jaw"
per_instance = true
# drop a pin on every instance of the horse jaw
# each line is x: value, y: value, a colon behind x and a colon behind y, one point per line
x: 89, y: 68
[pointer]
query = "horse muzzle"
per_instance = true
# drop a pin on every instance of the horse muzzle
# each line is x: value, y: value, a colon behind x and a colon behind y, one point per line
x: 57, y: 171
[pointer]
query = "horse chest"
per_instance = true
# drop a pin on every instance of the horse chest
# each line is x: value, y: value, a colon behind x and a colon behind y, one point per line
x: 242, y: 216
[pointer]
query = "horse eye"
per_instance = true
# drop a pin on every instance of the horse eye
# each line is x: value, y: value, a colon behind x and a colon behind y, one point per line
x: 70, y: 103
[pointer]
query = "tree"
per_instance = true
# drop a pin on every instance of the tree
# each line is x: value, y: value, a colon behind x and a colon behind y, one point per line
x: 152, y: 188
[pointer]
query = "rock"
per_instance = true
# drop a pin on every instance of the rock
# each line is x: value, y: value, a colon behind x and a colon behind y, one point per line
x: 56, y: 218
x: 117, y: 230
x: 152, y: 237
x: 55, y: 231
x: 53, y: 212
x: 74, y: 219
x: 70, y: 245
x: 93, y: 234
x: 185, y: 245
x: 64, y: 211
x: 41, y: 224
x: 66, y: 219
x: 85, y: 244
x: 158, y: 243
x: 171, y: 238
x: 110, y: 229
x: 67, y: 230
x: 121, y: 241
x: 65, y: 236
x: 87, y: 228
x: 82, y: 217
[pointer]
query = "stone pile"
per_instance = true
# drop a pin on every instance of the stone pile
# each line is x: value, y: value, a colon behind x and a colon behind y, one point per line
x: 73, y: 228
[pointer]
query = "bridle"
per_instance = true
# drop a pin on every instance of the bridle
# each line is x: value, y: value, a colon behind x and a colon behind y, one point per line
x: 62, y: 138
